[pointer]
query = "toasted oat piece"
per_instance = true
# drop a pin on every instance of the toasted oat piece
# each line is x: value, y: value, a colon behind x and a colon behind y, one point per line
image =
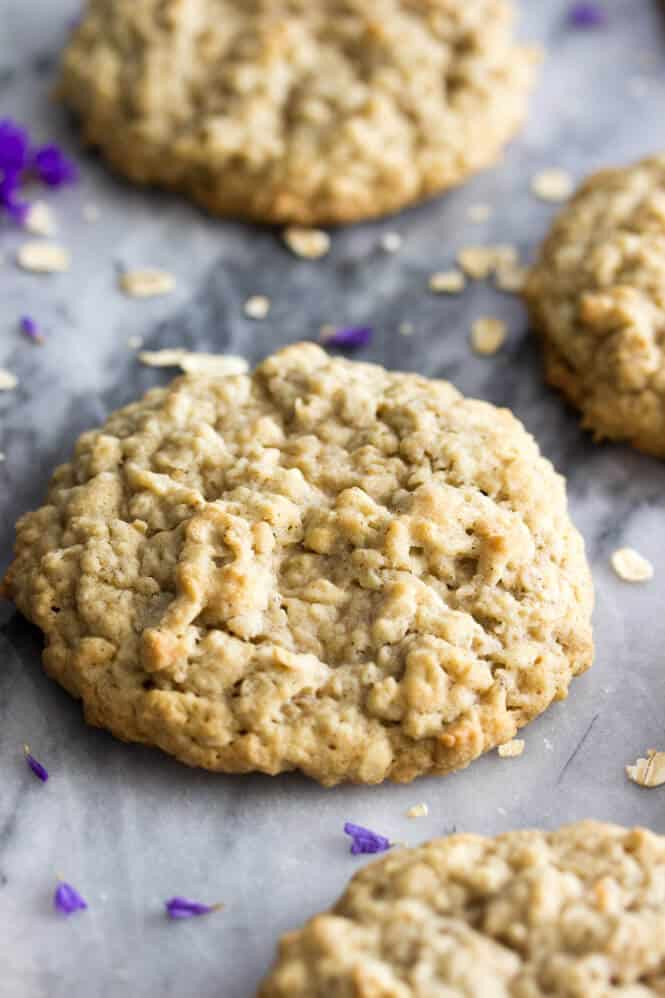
x: 264, y: 572
x: 306, y: 111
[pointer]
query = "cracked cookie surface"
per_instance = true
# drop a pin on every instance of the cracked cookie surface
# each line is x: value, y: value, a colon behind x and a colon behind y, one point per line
x: 596, y: 297
x: 323, y: 566
x: 577, y: 913
x: 308, y: 111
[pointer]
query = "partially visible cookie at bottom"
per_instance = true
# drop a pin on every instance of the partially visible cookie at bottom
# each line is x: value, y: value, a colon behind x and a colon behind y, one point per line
x: 574, y: 913
x: 323, y: 566
x: 596, y: 299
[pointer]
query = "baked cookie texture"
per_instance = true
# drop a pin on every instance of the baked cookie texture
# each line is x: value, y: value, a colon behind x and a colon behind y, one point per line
x: 597, y: 298
x: 308, y: 111
x: 576, y: 913
x: 324, y: 566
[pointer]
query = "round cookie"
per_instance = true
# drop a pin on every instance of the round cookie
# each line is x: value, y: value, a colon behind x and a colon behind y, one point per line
x: 324, y: 566
x: 308, y: 111
x: 597, y: 298
x: 577, y: 913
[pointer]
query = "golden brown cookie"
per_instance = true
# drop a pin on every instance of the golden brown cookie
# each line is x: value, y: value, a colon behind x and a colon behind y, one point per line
x: 298, y: 110
x: 597, y: 299
x: 575, y: 913
x: 323, y: 566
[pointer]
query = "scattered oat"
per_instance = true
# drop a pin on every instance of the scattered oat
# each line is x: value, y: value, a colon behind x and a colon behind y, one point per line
x: 7, y: 380
x: 90, y: 212
x: 40, y: 220
x: 552, y: 185
x: 146, y: 282
x: 488, y: 335
x: 448, y: 282
x: 43, y: 258
x: 480, y: 211
x: 511, y: 749
x: 406, y: 329
x: 631, y: 566
x: 391, y: 242
x: 134, y: 342
x: 217, y: 365
x: 638, y: 87
x: 479, y: 262
x: 418, y: 811
x: 510, y: 276
x: 308, y: 243
x: 649, y: 772
x: 257, y: 307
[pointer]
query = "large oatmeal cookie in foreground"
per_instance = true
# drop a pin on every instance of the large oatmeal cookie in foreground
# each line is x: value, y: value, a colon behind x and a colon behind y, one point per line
x: 597, y: 298
x: 575, y: 913
x: 325, y: 566
x: 298, y: 110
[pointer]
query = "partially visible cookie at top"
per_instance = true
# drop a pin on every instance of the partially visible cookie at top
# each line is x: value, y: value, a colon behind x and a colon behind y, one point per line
x: 323, y: 566
x: 308, y: 111
x: 575, y: 913
x: 597, y: 298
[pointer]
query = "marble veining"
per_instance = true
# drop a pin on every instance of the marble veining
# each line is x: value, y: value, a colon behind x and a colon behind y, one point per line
x: 130, y: 827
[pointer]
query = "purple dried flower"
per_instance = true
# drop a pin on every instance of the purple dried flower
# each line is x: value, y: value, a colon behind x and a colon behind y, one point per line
x: 30, y: 329
x: 14, y: 148
x: 40, y: 771
x: 351, y: 337
x: 9, y: 185
x: 182, y: 908
x: 587, y: 15
x: 364, y: 840
x: 52, y: 166
x: 67, y: 899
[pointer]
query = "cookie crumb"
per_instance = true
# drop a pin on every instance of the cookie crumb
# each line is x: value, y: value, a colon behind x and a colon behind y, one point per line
x: 510, y: 276
x: 631, y: 566
x: 40, y: 220
x: 448, y: 282
x: 406, y: 329
x: 418, y: 811
x: 257, y: 307
x: 511, y: 749
x: 552, y: 185
x: 308, y: 243
x: 90, y: 212
x: 7, y: 380
x: 649, y: 772
x: 480, y: 262
x: 43, y: 258
x: 488, y: 335
x: 391, y: 242
x: 134, y: 342
x: 146, y: 282
x: 216, y: 365
x: 480, y: 211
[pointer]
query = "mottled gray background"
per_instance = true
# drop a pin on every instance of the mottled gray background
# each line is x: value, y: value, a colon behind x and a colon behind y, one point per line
x: 131, y: 827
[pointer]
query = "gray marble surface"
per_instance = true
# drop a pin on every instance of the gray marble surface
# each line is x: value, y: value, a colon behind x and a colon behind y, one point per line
x: 131, y: 827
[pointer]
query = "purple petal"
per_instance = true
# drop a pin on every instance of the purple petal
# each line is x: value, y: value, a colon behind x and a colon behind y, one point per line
x: 67, y: 899
x: 351, y: 337
x: 587, y: 15
x: 40, y: 771
x: 9, y: 187
x: 30, y: 329
x: 14, y: 147
x: 52, y: 166
x: 364, y: 840
x: 178, y: 907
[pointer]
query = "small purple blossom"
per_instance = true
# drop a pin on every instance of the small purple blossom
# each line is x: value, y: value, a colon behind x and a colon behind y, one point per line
x: 40, y: 771
x: 14, y: 147
x: 67, y: 899
x: 30, y: 329
x: 52, y: 166
x: 178, y: 907
x: 351, y: 337
x: 363, y: 840
x: 587, y: 15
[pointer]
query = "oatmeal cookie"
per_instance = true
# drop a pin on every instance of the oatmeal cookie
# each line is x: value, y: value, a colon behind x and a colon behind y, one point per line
x: 307, y: 111
x: 597, y: 298
x: 322, y: 566
x: 577, y: 913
